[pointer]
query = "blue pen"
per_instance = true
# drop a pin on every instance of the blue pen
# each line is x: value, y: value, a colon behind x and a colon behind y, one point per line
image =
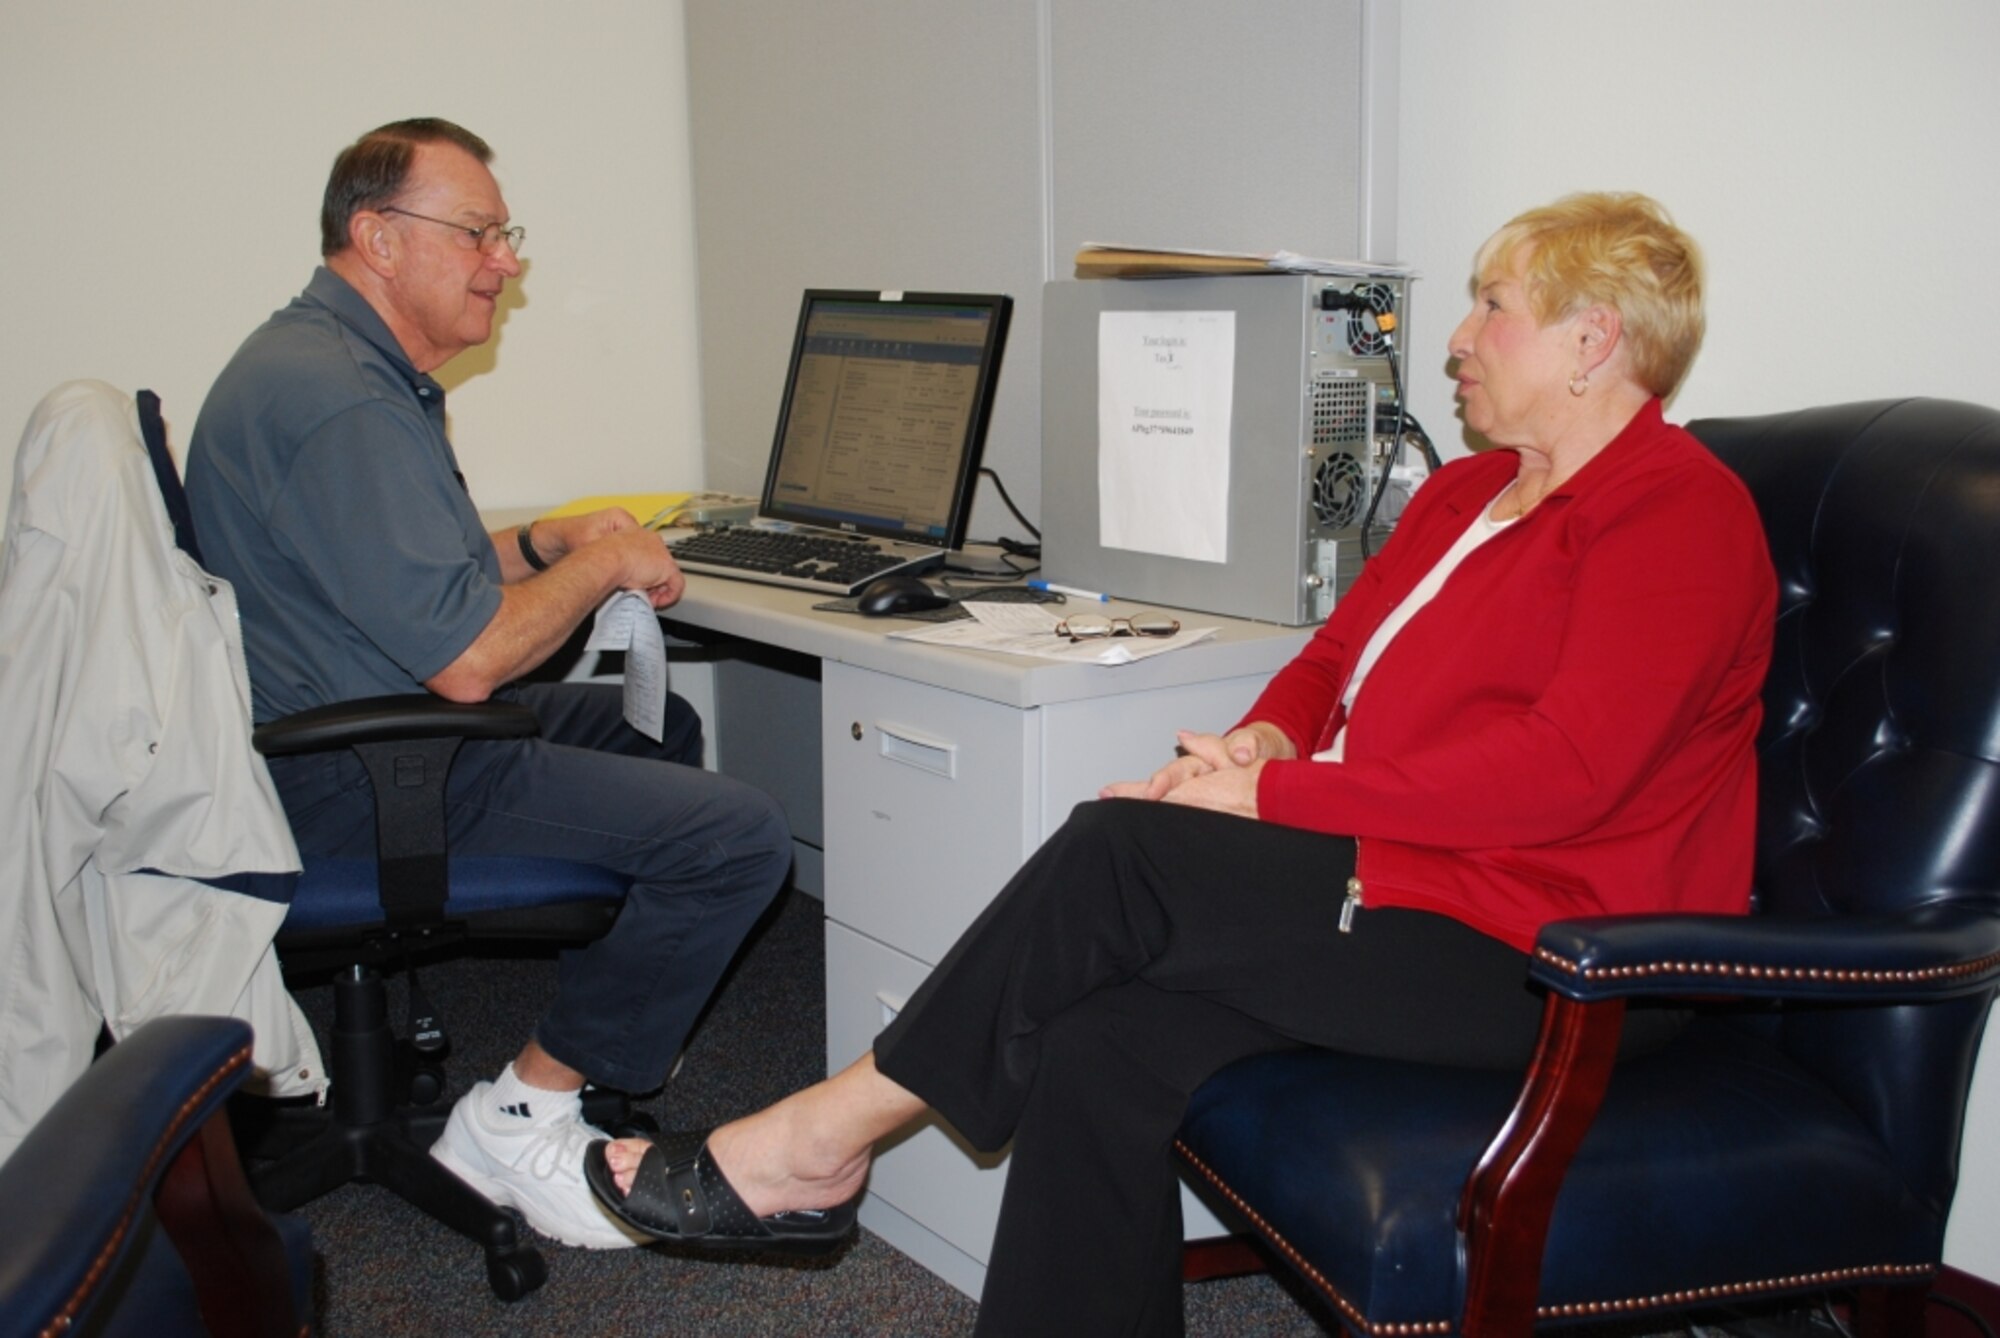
x: 1069, y: 590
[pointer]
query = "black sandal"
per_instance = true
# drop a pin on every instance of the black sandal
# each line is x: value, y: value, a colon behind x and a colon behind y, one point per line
x: 680, y: 1195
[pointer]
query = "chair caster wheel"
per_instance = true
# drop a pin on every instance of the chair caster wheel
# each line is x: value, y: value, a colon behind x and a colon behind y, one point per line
x: 514, y: 1274
x: 638, y: 1124
x: 427, y: 1085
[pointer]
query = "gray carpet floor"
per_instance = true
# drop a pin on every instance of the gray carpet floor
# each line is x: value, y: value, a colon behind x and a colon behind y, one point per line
x: 385, y: 1269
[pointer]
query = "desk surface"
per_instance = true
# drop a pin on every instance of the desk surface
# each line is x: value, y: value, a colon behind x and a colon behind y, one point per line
x: 781, y: 617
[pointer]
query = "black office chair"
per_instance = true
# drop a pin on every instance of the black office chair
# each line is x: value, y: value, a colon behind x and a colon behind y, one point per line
x: 387, y: 1100
x: 1802, y: 1135
x: 127, y: 1211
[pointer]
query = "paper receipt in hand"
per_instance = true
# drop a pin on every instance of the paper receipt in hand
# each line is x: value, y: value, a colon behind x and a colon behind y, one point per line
x: 626, y: 622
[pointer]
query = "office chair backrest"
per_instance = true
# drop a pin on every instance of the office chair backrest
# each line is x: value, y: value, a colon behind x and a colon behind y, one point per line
x: 1880, y: 751
x: 153, y: 428
x: 1882, y: 710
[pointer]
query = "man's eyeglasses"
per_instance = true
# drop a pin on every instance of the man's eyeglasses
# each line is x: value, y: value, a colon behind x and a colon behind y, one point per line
x: 485, y: 239
x: 1089, y: 627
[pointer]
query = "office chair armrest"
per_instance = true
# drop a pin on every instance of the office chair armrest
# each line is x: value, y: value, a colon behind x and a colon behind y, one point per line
x: 407, y: 744
x: 143, y: 1125
x: 392, y: 719
x: 1935, y: 951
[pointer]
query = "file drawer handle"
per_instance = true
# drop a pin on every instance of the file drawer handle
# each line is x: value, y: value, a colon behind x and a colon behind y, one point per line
x: 915, y: 749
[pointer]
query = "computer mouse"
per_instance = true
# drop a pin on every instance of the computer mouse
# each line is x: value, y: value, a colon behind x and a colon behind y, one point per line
x: 886, y: 595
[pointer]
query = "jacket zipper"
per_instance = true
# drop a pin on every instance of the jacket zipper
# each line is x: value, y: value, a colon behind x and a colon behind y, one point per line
x: 1351, y: 904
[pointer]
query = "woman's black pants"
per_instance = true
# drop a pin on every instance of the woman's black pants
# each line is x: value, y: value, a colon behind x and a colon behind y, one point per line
x: 1141, y: 949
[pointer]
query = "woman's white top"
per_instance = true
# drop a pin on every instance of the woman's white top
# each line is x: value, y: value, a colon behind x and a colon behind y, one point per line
x: 1481, y: 529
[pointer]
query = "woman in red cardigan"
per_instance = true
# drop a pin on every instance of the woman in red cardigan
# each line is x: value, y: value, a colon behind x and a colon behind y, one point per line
x: 1538, y: 702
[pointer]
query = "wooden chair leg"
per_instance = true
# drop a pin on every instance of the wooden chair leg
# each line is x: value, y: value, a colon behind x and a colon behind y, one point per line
x: 229, y: 1247
x: 1889, y: 1312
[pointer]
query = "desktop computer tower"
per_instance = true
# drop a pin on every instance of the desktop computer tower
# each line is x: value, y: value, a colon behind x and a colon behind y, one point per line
x: 1274, y: 529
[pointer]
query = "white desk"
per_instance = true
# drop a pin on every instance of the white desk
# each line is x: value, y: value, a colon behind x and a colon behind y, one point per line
x: 942, y: 771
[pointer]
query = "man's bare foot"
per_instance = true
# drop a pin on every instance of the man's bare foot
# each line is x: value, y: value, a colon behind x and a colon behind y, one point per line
x: 810, y: 1150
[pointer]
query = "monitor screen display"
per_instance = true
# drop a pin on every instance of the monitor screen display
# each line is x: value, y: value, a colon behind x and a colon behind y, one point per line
x: 885, y: 413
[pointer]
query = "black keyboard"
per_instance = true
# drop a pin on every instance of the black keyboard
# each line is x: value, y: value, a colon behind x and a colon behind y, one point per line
x: 806, y: 561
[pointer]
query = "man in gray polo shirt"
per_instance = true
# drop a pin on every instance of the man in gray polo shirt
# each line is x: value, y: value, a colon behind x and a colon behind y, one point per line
x: 325, y: 491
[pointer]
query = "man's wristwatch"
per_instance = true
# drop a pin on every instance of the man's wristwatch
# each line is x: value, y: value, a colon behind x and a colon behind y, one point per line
x: 528, y: 552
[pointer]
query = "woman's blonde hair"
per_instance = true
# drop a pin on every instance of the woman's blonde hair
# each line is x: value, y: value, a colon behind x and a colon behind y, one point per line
x: 1618, y: 249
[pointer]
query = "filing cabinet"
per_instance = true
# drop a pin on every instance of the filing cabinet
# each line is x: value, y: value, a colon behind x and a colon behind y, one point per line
x: 933, y: 798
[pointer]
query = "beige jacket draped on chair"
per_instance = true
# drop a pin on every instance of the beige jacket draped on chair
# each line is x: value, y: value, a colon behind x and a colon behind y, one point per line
x: 145, y: 862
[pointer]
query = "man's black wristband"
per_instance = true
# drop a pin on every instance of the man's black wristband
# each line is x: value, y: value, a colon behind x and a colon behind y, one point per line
x: 528, y: 552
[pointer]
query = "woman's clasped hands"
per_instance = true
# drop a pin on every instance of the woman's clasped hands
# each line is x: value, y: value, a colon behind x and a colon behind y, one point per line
x: 1212, y: 771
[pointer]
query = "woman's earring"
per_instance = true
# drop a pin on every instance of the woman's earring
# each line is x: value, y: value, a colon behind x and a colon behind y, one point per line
x: 1579, y: 383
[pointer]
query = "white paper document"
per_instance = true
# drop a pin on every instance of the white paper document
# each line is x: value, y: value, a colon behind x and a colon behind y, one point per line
x: 626, y: 622
x: 1030, y: 629
x: 1166, y: 386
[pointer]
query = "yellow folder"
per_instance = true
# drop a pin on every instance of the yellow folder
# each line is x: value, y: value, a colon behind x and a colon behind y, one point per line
x: 644, y: 506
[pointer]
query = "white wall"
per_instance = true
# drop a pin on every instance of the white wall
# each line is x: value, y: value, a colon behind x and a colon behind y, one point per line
x: 1833, y: 157
x: 164, y: 166
x: 1012, y: 132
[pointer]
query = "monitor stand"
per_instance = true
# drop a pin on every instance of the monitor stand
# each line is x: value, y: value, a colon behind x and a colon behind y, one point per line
x: 982, y: 560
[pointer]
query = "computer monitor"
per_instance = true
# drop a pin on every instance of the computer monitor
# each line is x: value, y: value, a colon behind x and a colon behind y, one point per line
x: 884, y: 418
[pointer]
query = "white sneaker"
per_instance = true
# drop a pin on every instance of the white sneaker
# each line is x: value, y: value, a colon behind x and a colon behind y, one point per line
x: 535, y: 1165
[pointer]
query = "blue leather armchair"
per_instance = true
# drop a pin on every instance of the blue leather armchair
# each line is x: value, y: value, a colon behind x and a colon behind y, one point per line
x: 127, y: 1211
x: 1802, y: 1134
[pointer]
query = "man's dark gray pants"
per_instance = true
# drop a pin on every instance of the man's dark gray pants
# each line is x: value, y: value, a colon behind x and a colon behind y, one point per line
x: 706, y: 855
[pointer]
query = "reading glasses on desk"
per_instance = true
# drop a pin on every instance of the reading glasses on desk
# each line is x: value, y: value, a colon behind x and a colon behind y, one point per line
x: 1087, y: 627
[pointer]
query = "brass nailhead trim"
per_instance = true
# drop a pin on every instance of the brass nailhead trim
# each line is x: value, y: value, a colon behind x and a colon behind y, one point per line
x: 1750, y: 971
x: 1298, y: 1261
x: 1573, y: 1310
x: 65, y: 1317
x: 1834, y: 1277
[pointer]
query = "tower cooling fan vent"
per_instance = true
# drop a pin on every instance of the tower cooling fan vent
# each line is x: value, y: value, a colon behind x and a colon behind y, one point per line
x: 1365, y: 338
x: 1339, y: 489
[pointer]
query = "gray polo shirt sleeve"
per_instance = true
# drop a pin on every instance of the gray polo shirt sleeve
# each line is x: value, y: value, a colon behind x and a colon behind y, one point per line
x: 373, y: 510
